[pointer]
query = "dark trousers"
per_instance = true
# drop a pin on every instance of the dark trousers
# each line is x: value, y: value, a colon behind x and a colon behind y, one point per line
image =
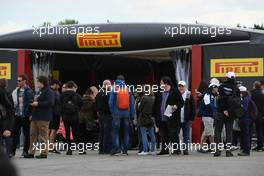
x: 259, y: 130
x: 71, y: 125
x: 245, y: 126
x: 220, y: 121
x: 105, y: 142
x: 24, y: 124
x: 236, y: 138
x: 169, y: 134
x: 7, y: 143
x: 140, y: 144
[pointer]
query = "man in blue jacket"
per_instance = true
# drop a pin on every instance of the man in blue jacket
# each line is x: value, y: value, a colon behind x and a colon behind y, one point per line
x: 41, y: 116
x: 121, y: 105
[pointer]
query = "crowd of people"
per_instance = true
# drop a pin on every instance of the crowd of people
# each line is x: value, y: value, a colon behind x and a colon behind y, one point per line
x: 118, y: 119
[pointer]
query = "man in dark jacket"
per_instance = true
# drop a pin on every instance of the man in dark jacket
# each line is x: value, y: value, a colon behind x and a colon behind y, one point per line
x: 257, y: 96
x: 6, y: 117
x: 22, y: 97
x: 167, y: 125
x: 71, y: 103
x: 41, y: 116
x: 105, y: 118
x: 224, y: 116
x: 187, y: 114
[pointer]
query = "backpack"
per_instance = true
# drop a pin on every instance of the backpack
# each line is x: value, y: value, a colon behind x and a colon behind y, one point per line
x: 57, y: 106
x: 122, y: 98
x: 234, y: 106
x: 69, y: 105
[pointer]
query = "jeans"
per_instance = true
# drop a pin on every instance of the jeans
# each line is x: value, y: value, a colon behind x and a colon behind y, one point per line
x: 245, y: 126
x: 185, y: 132
x: 220, y: 121
x: 144, y: 136
x: 24, y: 124
x: 105, y: 133
x: 117, y: 123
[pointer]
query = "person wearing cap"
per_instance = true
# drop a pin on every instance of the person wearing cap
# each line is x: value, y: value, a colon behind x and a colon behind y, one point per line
x: 245, y: 122
x: 226, y: 90
x: 187, y: 114
x: 168, y: 96
x: 208, y: 109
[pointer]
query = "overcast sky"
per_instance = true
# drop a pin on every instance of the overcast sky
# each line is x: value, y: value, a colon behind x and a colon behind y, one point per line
x: 22, y: 14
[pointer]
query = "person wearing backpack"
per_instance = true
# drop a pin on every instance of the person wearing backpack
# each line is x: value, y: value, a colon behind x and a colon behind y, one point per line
x: 245, y: 122
x: 71, y: 103
x: 228, y: 92
x: 121, y: 105
x: 208, y: 110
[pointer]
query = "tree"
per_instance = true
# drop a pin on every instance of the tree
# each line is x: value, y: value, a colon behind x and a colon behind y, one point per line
x: 68, y: 21
x: 45, y: 24
x: 258, y: 26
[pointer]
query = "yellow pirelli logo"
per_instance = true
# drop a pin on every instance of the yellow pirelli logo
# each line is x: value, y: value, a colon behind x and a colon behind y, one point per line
x: 99, y: 40
x: 243, y: 67
x: 5, y: 70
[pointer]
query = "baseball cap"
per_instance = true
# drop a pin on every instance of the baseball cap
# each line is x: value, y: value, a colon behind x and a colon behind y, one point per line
x: 213, y: 84
x: 182, y: 83
x: 231, y: 75
x: 242, y: 89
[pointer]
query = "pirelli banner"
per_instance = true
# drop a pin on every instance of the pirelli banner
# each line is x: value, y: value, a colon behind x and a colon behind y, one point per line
x: 5, y: 70
x: 243, y: 67
x: 8, y: 67
x: 99, y: 40
x: 246, y: 60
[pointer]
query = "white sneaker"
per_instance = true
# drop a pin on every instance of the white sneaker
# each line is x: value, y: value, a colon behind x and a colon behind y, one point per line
x: 142, y: 153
